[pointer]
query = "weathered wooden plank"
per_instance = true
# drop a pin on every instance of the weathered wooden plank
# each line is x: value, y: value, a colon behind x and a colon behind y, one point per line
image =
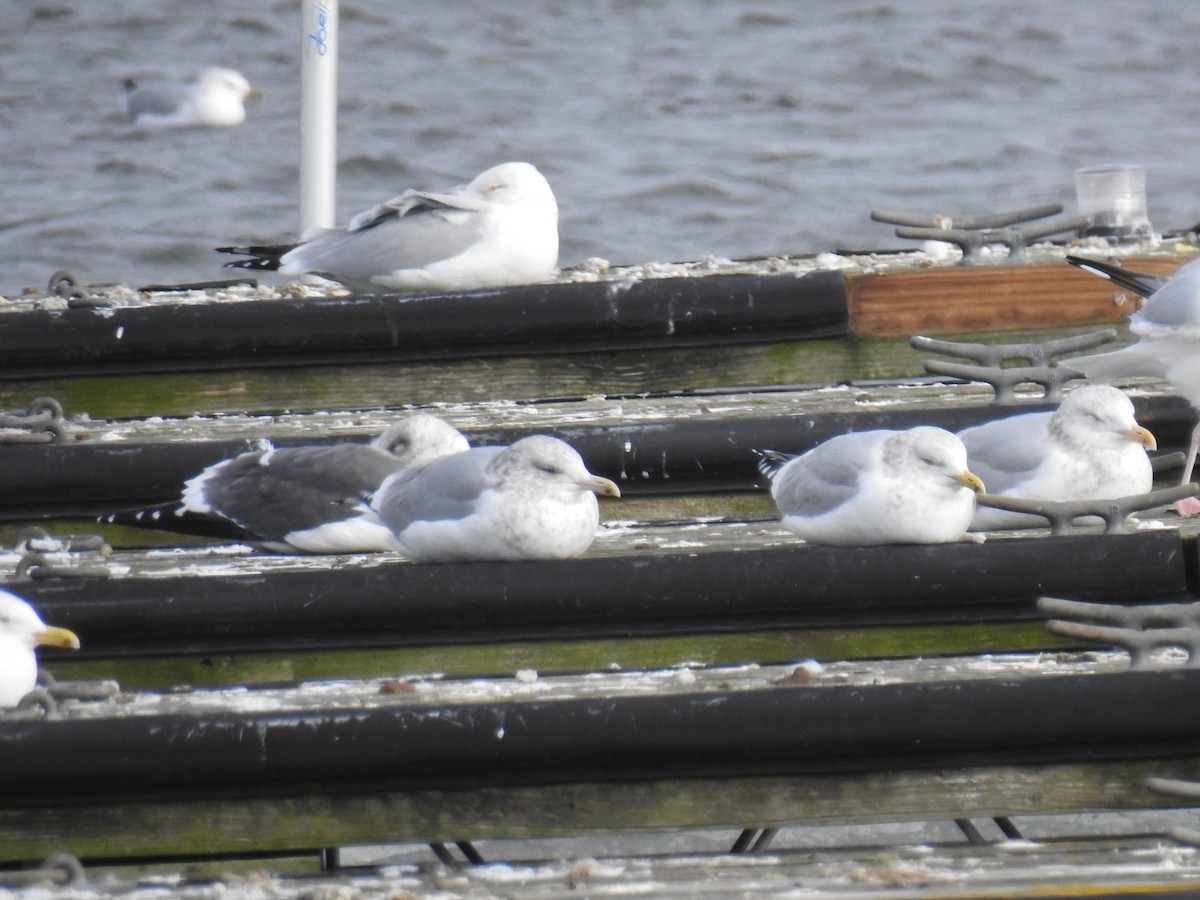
x: 501, y: 658
x: 289, y: 769
x: 367, y: 386
x: 292, y: 823
x: 941, y: 300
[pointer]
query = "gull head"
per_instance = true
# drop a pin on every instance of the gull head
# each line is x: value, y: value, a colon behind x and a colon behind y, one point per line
x: 513, y: 182
x: 548, y: 466
x: 1098, y: 415
x: 419, y: 438
x: 19, y: 623
x: 229, y: 81
x: 929, y: 455
x: 22, y: 630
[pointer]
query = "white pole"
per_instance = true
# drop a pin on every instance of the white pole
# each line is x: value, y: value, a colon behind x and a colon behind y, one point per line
x: 318, y: 113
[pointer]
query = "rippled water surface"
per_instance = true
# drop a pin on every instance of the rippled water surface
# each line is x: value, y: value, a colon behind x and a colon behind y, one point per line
x: 668, y: 129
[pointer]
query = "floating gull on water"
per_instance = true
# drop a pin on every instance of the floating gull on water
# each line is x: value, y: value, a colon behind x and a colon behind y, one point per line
x: 1090, y: 448
x: 306, y: 499
x: 21, y: 630
x: 534, y: 499
x: 499, y: 230
x: 216, y: 97
x: 1168, y: 345
x: 876, y: 487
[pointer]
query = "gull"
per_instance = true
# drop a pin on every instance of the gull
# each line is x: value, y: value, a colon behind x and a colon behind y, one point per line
x: 534, y: 499
x: 1168, y: 345
x: 876, y: 487
x: 499, y: 230
x: 22, y: 630
x: 215, y: 98
x: 301, y: 499
x: 1090, y: 448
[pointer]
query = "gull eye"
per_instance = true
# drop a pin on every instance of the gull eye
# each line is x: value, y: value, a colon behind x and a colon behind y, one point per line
x: 549, y: 469
x: 492, y: 188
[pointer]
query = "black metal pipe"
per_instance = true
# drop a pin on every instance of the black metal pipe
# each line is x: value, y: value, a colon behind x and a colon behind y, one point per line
x: 773, y: 730
x: 534, y: 320
x: 398, y: 604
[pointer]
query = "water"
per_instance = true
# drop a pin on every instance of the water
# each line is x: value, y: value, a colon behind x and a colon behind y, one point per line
x: 669, y: 129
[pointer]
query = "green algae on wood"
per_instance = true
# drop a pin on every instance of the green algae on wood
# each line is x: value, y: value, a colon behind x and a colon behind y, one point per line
x: 503, y: 659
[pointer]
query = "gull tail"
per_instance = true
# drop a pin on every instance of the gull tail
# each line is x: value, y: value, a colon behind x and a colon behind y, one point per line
x: 263, y: 257
x: 1140, y: 283
x: 771, y: 461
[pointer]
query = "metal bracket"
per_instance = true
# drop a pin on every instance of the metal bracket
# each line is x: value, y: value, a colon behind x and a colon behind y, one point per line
x: 1140, y: 630
x: 59, y: 869
x: 1062, y: 514
x: 1185, y: 790
x: 38, y: 549
x: 754, y: 840
x: 78, y: 296
x: 990, y: 358
x: 41, y: 423
x: 972, y: 233
x: 46, y: 700
x: 85, y: 691
x: 442, y: 852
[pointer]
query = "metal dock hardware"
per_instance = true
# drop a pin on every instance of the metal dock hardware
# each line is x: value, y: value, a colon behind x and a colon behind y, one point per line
x: 40, y: 423
x: 58, y: 870
x: 1140, y: 630
x: 78, y: 296
x: 972, y: 233
x: 41, y: 555
x: 1188, y: 790
x: 1114, y: 511
x: 990, y: 359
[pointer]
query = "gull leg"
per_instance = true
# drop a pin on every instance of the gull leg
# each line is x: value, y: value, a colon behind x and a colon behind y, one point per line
x: 1190, y: 506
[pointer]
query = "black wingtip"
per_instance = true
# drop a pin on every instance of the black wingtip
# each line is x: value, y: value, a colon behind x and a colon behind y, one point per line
x: 263, y: 257
x: 175, y: 518
x: 1138, y: 282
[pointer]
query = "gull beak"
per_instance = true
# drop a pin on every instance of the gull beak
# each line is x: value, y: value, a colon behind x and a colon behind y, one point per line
x: 969, y: 479
x: 1140, y: 435
x: 51, y: 636
x: 601, y: 486
x: 253, y: 94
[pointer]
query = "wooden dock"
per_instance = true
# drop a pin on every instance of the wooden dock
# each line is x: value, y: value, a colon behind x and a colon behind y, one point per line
x: 274, y: 709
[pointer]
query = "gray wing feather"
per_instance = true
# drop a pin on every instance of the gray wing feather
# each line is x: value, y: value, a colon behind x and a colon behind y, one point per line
x: 825, y: 477
x: 386, y: 243
x: 445, y: 488
x: 299, y: 488
x: 1004, y: 452
x: 153, y: 101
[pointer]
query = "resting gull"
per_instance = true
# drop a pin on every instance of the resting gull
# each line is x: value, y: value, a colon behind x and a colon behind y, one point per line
x: 1090, y: 448
x: 21, y: 630
x: 217, y: 97
x: 1168, y: 345
x: 306, y: 499
x: 499, y: 230
x: 877, y: 487
x: 534, y: 499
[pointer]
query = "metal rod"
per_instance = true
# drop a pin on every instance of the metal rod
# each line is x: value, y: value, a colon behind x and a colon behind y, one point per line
x: 318, y: 113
